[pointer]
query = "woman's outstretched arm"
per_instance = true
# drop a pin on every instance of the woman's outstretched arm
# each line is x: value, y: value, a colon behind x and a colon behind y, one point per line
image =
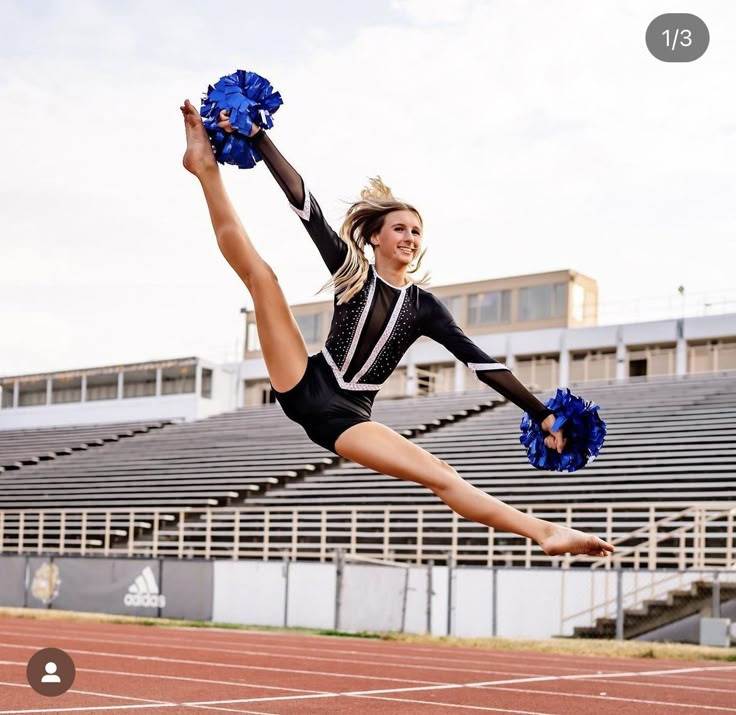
x: 438, y: 324
x: 330, y: 246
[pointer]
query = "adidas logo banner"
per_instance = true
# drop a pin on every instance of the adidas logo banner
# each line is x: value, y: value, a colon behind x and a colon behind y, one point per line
x: 143, y: 592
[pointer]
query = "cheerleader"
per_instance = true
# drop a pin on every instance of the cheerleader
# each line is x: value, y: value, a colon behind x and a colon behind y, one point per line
x: 379, y: 312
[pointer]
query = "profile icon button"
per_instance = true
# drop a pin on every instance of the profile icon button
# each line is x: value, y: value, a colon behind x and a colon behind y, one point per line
x: 50, y: 672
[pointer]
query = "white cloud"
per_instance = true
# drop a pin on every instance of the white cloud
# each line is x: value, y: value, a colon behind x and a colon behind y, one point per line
x: 532, y: 136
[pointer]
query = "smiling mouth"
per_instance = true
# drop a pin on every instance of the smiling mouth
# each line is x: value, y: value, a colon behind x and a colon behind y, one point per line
x: 407, y: 250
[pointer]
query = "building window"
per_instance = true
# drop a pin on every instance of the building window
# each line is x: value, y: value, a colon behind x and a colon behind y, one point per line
x: 177, y: 380
x: 542, y: 302
x: 139, y: 383
x: 489, y: 308
x: 7, y: 390
x: 66, y: 389
x: 311, y: 327
x: 453, y: 303
x: 102, y: 387
x: 206, y: 382
x: 32, y: 393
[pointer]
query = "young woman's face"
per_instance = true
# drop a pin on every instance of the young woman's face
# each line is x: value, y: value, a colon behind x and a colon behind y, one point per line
x: 400, y: 239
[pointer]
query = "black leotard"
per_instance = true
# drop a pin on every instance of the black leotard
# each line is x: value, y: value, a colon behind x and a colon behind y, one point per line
x: 370, y: 333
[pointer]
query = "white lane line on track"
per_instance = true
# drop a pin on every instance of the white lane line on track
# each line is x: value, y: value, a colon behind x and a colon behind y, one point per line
x: 89, y: 709
x: 612, y: 698
x: 495, y: 685
x: 584, y: 676
x: 332, y: 659
x: 230, y: 710
x: 456, y: 705
x: 175, y: 677
x: 199, y: 663
x: 404, y: 648
x: 194, y: 703
x: 664, y: 685
x: 99, y: 695
x: 486, y: 666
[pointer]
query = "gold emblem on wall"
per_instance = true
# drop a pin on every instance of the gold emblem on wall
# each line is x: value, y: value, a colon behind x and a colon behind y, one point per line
x: 46, y: 582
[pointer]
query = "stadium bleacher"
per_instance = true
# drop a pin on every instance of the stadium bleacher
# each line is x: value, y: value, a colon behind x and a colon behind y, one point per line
x: 30, y: 446
x: 669, y: 440
x: 197, y: 463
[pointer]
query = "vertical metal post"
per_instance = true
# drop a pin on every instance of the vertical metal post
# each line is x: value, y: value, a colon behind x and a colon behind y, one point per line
x: 339, y: 564
x: 294, y: 533
x: 40, y: 533
x: 386, y: 531
x: 236, y: 535
x: 83, y: 545
x: 716, y: 605
x: 652, y: 545
x: 131, y: 533
x: 494, y: 601
x: 420, y: 534
x: 160, y: 583
x: 405, y: 598
x: 450, y: 576
x: 729, y: 539
x: 208, y: 533
x: 155, y: 534
x: 266, y: 533
x: 619, y: 604
x: 430, y: 593
x: 285, y: 573
x: 62, y: 532
x: 106, y: 547
x: 353, y: 532
x: 51, y: 563
x: 180, y: 549
x: 27, y: 581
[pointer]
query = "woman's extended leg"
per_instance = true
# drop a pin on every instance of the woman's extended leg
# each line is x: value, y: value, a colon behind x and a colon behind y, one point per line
x: 381, y: 449
x: 282, y: 344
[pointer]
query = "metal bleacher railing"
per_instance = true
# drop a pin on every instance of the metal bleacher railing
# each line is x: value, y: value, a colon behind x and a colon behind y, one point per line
x: 676, y: 535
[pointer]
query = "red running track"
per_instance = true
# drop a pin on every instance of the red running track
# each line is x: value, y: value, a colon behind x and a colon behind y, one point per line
x: 135, y: 669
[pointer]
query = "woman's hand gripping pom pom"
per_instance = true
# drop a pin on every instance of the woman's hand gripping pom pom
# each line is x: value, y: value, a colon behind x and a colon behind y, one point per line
x: 580, y: 441
x: 248, y: 100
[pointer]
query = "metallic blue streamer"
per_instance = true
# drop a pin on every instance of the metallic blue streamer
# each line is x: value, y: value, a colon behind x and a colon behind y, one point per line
x: 581, y: 425
x: 250, y: 100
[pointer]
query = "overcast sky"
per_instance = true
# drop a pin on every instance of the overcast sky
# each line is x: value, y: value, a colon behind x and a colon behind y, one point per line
x: 532, y: 135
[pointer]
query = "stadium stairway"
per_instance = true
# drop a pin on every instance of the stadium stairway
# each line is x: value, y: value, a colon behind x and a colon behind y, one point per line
x: 653, y: 614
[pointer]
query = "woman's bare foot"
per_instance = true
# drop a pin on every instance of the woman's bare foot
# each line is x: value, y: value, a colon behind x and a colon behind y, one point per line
x: 198, y: 157
x: 571, y: 541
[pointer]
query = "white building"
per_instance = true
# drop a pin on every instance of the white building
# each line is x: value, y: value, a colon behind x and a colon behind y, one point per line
x: 543, y: 326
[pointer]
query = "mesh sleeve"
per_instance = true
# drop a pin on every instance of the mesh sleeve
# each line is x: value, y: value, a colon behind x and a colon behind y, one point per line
x: 331, y: 247
x: 438, y: 324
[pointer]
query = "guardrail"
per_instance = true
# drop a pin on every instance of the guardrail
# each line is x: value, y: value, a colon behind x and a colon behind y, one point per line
x: 670, y: 535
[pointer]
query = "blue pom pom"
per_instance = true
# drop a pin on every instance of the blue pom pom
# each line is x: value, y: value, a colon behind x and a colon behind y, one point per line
x: 582, y: 426
x: 250, y: 100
